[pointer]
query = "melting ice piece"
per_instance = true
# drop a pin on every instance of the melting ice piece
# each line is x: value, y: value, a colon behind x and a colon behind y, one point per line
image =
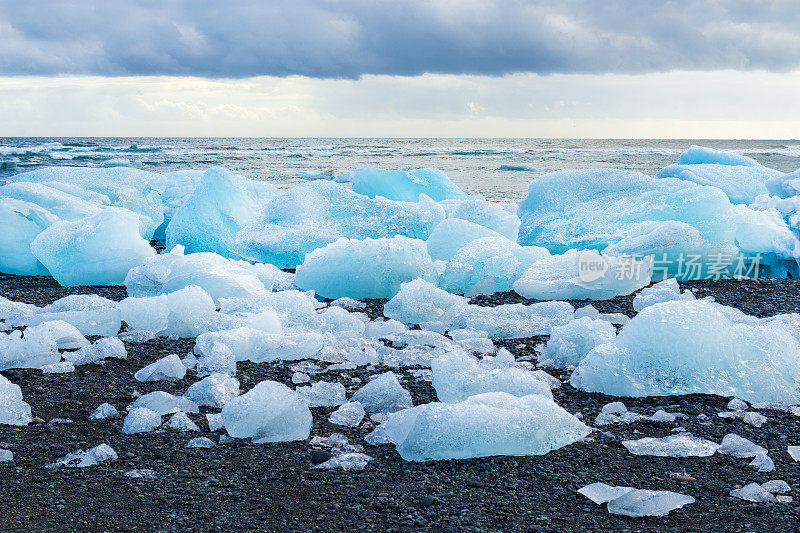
x: 648, y: 503
x: 457, y: 376
x: 180, y: 421
x: 510, y: 321
x: 794, y: 452
x: 420, y: 301
x: 584, y: 275
x: 452, y: 234
x: 167, y: 368
x: 35, y: 349
x: 404, y: 185
x: 753, y: 493
x: 733, y: 444
x: 601, y: 493
x: 214, y: 421
x: 67, y: 336
x: 762, y: 463
x: 13, y: 411
x: 663, y: 291
x: 250, y: 344
x: 269, y: 412
x: 22, y: 221
x: 349, y: 414
x: 105, y: 348
x: 323, y: 394
x: 569, y: 344
x: 215, y: 390
x: 6, y: 456
x: 369, y: 268
x: 140, y: 420
x: 487, y: 424
x: 201, y: 442
x: 681, y: 445
x: 90, y: 313
x: 82, y: 459
x: 383, y: 394
x: 754, y: 419
x: 776, y: 486
x: 348, y: 303
x: 141, y: 473
x: 737, y: 405
x: 218, y: 360
x: 670, y: 348
x: 165, y: 403
x: 61, y: 367
x: 98, y: 250
x: 346, y: 461
x: 500, y: 217
x: 103, y: 412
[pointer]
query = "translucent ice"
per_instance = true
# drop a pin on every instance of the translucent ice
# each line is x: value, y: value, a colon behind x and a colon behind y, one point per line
x: 569, y: 344
x: 488, y: 424
x: 323, y: 394
x: 249, y: 344
x: 684, y: 347
x: 35, y: 349
x: 753, y: 493
x: 201, y: 442
x: 698, y: 155
x: 98, y: 250
x: 215, y: 390
x: 420, y: 301
x: 60, y: 203
x: 663, y: 291
x: 404, y: 185
x: 22, y: 223
x: 103, y: 412
x: 166, y: 368
x: 681, y: 445
x: 741, y: 183
x: 180, y: 421
x: 648, y: 503
x: 219, y: 359
x: 67, y: 336
x: 269, y: 412
x: 82, y: 459
x: 457, y: 376
x: 383, y: 394
x: 318, y: 213
x: 509, y: 321
x: 500, y: 217
x: 601, y: 493
x: 104, y: 348
x: 736, y: 446
x: 89, y: 313
x: 164, y: 403
x: 346, y: 461
x: 349, y: 414
x: 13, y: 411
x: 369, y: 268
x: 140, y: 420
x: 452, y: 234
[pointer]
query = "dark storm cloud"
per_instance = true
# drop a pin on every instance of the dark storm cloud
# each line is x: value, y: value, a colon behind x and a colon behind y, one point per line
x: 350, y: 38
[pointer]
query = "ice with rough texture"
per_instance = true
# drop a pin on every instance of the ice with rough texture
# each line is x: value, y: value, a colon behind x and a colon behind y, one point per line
x: 250, y: 344
x: 601, y: 493
x: 323, y: 394
x: 369, y: 268
x: 98, y: 250
x: 585, y: 275
x: 318, y: 213
x: 487, y: 424
x: 35, y: 349
x: 420, y: 301
x: 140, y: 420
x: 220, y: 206
x: 736, y: 446
x: 180, y: 421
x: 215, y: 390
x: 641, y: 502
x: 510, y: 321
x: 164, y: 403
x: 62, y: 204
x: 349, y: 414
x: 497, y: 258
x: 104, y: 411
x: 346, y: 461
x: 22, y: 222
x: 90, y: 313
x: 686, y: 347
x: 6, y: 456
x: 82, y: 459
x: 699, y: 155
x: 169, y: 367
x: 681, y: 445
x: 569, y: 344
x: 742, y: 184
x: 500, y: 217
x: 201, y: 442
x: 753, y: 492
x: 452, y: 234
x: 762, y: 463
x: 404, y: 185
x: 269, y: 412
x: 794, y: 452
x: 67, y: 336
x: 13, y: 411
x: 663, y: 291
x: 105, y: 348
x: 457, y: 376
x: 383, y: 394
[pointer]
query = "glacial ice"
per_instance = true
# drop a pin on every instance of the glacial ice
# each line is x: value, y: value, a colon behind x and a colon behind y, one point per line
x: 323, y: 394
x: 369, y: 268
x: 249, y: 344
x: 219, y: 359
x: 201, y: 442
x: 67, y: 336
x: 641, y: 502
x: 169, y: 367
x: 35, y: 349
x: 214, y: 390
x: 487, y: 424
x: 180, y: 421
x: 13, y: 411
x: 742, y: 184
x: 82, y: 459
x: 164, y: 403
x: 698, y: 155
x: 22, y: 223
x: 510, y: 321
x: 663, y: 291
x: 349, y: 414
x: 753, y: 492
x: 681, y: 445
x: 89, y: 313
x: 383, y: 394
x: 582, y: 276
x: 601, y: 493
x: 6, y: 456
x: 762, y: 463
x: 569, y: 344
x: 736, y: 446
x: 318, y: 213
x: 452, y: 234
x: 685, y: 347
x: 187, y: 312
x: 140, y: 420
x: 346, y: 461
x: 104, y: 348
x: 104, y: 411
x: 500, y: 217
x: 269, y: 412
x: 98, y: 250
x: 404, y: 185
x: 420, y: 301
x: 457, y: 376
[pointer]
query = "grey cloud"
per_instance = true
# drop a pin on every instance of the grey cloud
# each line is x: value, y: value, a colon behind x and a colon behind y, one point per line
x: 351, y: 38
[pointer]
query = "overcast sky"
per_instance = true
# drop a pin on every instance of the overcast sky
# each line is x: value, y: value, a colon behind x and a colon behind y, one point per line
x: 605, y: 68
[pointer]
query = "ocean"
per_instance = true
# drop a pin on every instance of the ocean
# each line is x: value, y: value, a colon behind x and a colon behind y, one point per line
x: 499, y: 169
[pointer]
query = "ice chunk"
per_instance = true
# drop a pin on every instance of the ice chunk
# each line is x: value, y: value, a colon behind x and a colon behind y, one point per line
x: 67, y: 336
x: 214, y: 421
x: 569, y: 344
x: 452, y: 234
x: 762, y: 463
x: 141, y: 473
x: 383, y: 394
x: 6, y: 456
x: 457, y: 376
x: 269, y: 412
x: 736, y: 446
x: 105, y: 348
x: 18, y: 310
x: 369, y: 268
x: 753, y: 493
x: 648, y: 503
x: 82, y: 459
x: 98, y: 250
x: 601, y: 493
x: 300, y: 377
x: 337, y: 320
x: 741, y: 183
x: 217, y: 209
x: 403, y: 185
x: 164, y: 403
x: 180, y: 421
x: 346, y: 461
x: 510, y: 321
x: 349, y: 414
x: 103, y: 412
x: 737, y: 405
x: 776, y: 486
x: 487, y: 424
x: 754, y: 419
x: 22, y: 223
x: 663, y: 291
x: 583, y: 275
x: 62, y: 204
x: 249, y: 344
x: 685, y: 347
x: 62, y: 367
x: 318, y: 213
x: 681, y: 445
x: 90, y: 313
x: 180, y: 185
x: 35, y: 349
x: 191, y: 310
x: 140, y: 420
x: 323, y: 394
x: 420, y: 301
x: 215, y: 390
x: 13, y: 411
x: 348, y: 304
x: 218, y: 360
x: 500, y: 217
x: 698, y: 155
x: 201, y: 442
x: 167, y: 368
x: 794, y: 452
x: 490, y: 257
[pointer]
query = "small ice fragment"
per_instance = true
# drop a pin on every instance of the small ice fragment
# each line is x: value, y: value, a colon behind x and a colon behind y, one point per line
x: 6, y: 456
x: 754, y: 419
x: 784, y: 499
x: 794, y: 452
x: 733, y: 444
x: 104, y: 348
x: 82, y: 459
x: 323, y: 394
x: 140, y: 420
x: 753, y: 493
x: 348, y: 303
x: 165, y: 403
x: 662, y: 416
x: 601, y: 493
x: 737, y: 405
x: 144, y: 473
x: 60, y: 421
x: 776, y: 486
x: 346, y: 461
x: 167, y: 368
x: 61, y: 367
x: 214, y: 421
x: 682, y: 445
x: 136, y: 337
x: 103, y: 412
x: 180, y: 421
x: 384, y: 394
x: 648, y: 503
x: 762, y: 463
x: 300, y: 377
x: 214, y: 391
x: 201, y: 442
x: 350, y: 414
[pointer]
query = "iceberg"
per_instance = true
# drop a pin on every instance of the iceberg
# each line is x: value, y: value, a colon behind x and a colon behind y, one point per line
x: 22, y: 223
x: 420, y: 301
x: 320, y: 212
x: 62, y: 204
x: 697, y: 346
x: 404, y: 185
x: 569, y: 344
x: 269, y: 412
x: 369, y: 268
x: 98, y: 250
x: 494, y: 423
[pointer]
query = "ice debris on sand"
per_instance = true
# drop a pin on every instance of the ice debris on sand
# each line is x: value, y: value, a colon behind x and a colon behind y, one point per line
x: 269, y: 412
x: 628, y: 501
x: 82, y: 459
